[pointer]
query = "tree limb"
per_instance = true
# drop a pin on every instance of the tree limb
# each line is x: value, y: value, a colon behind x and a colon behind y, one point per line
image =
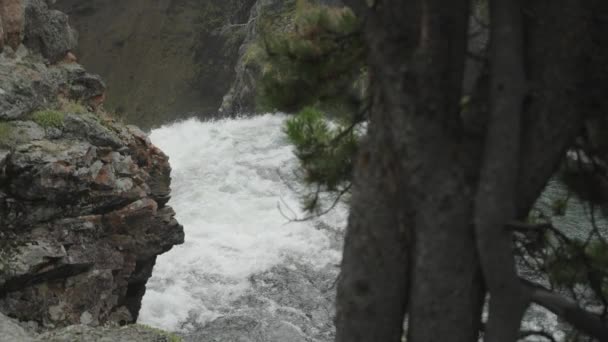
x: 543, y: 334
x: 568, y: 310
x: 527, y: 227
x: 496, y: 198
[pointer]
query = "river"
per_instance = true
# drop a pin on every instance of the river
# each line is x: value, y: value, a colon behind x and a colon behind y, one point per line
x: 246, y: 272
x: 243, y: 261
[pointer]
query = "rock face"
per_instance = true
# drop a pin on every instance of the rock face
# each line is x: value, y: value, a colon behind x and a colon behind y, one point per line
x: 240, y: 98
x: 184, y: 57
x: 27, y: 84
x: 83, y: 211
x: 275, y: 15
x: 12, y: 331
x: 162, y: 59
x: 47, y: 31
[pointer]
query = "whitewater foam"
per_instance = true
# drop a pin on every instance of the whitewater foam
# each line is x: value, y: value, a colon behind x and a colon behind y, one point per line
x: 228, y: 178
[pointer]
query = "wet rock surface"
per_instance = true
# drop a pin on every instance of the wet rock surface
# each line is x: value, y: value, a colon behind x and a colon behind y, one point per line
x: 290, y: 302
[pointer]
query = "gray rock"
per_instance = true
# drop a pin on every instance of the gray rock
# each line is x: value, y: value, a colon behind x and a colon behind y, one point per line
x: 290, y: 302
x: 82, y: 199
x: 89, y: 127
x: 247, y: 329
x: 131, y: 333
x: 81, y: 223
x: 26, y: 131
x: 241, y: 97
x: 25, y: 87
x: 82, y: 85
x: 48, y: 31
x: 11, y: 331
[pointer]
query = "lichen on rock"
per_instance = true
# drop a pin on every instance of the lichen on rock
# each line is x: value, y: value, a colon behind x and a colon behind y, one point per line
x: 83, y: 198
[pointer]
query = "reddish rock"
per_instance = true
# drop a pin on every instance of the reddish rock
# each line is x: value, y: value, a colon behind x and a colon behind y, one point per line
x: 12, y: 15
x: 70, y: 58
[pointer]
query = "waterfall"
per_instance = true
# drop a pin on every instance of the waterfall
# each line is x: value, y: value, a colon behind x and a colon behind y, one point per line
x: 243, y: 260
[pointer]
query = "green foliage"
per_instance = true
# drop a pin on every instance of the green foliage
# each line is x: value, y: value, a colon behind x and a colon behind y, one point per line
x: 559, y: 206
x: 315, y: 65
x: 317, y: 62
x: 580, y: 263
x: 49, y: 118
x: 72, y: 107
x: 5, y: 133
x: 325, y: 152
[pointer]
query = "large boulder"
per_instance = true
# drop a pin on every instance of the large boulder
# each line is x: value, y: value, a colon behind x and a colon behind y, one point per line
x: 30, y: 84
x: 12, y: 331
x: 47, y: 31
x: 83, y: 216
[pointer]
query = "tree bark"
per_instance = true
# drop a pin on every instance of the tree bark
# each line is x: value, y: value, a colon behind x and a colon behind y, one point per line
x: 565, y: 57
x: 373, y: 285
x: 416, y: 57
x: 496, y: 197
x: 411, y: 243
x: 447, y: 289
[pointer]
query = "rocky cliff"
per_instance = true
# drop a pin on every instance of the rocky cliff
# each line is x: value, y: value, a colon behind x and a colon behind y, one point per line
x: 161, y: 59
x: 241, y: 97
x: 83, y: 211
x: 266, y: 17
x: 169, y: 59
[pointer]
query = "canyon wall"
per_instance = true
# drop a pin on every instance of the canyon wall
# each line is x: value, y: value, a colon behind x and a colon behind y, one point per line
x: 162, y: 59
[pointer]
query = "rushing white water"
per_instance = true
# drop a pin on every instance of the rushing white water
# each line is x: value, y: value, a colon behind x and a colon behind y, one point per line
x: 228, y: 178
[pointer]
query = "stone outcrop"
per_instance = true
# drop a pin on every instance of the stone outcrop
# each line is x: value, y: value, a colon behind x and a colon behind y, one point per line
x: 162, y: 60
x: 240, y: 98
x: 12, y: 331
x: 83, y: 198
x: 28, y: 84
x: 276, y: 16
x: 47, y: 31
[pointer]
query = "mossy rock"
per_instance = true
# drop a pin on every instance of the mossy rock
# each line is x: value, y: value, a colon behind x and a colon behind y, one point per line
x: 171, y: 337
x: 71, y: 107
x: 49, y: 118
x: 6, y: 134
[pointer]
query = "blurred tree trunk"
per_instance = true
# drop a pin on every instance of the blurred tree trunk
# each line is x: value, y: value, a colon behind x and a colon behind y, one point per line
x: 422, y: 179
